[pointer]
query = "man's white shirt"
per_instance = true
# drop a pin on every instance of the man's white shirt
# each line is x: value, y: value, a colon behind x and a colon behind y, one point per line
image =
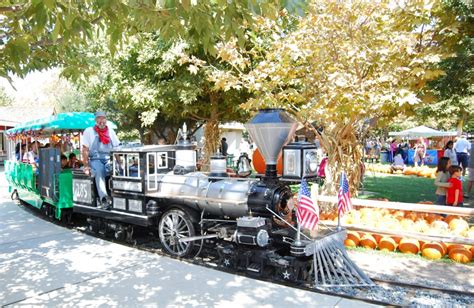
x: 89, y: 135
x: 462, y: 146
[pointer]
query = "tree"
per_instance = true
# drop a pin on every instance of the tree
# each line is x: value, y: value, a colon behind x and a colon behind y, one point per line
x: 38, y: 34
x: 347, y: 62
x: 158, y: 85
x: 452, y: 94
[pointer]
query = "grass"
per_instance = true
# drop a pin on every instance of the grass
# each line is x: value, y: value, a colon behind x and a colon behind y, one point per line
x: 400, y: 188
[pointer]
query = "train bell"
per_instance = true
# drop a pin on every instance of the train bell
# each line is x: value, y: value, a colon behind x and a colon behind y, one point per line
x: 243, y: 165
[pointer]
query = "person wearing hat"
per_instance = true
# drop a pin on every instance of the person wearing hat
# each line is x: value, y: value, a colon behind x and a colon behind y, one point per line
x: 97, y: 143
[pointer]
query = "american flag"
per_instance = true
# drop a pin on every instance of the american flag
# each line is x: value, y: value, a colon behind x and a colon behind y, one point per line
x: 344, y: 203
x: 308, y: 211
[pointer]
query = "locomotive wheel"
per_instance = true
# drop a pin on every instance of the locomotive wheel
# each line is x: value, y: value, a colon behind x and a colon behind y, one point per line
x: 176, y: 224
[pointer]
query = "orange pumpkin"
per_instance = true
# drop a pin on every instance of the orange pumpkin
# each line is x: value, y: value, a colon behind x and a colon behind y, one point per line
x: 387, y: 244
x: 455, y: 246
x: 397, y: 239
x: 450, y: 217
x: 408, y: 245
x: 445, y: 248
x: 377, y: 237
x: 368, y: 241
x: 352, y: 239
x: 259, y: 163
x: 434, y: 245
x: 460, y: 255
x: 431, y: 253
x: 472, y: 250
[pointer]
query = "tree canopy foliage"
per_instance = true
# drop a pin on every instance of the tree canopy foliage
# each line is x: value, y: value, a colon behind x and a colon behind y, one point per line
x: 36, y: 34
x: 156, y: 85
x: 347, y: 62
x: 451, y: 101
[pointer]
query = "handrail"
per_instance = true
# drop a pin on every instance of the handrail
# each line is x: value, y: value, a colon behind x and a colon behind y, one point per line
x: 415, y: 207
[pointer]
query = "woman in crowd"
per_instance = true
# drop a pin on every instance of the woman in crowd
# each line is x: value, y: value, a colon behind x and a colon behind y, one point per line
x: 450, y: 153
x: 420, y: 153
x: 441, y: 182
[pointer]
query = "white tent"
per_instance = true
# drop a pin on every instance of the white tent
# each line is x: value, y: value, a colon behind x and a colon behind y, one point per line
x: 421, y: 131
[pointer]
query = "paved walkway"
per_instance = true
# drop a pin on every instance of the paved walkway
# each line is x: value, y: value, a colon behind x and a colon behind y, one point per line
x: 42, y: 264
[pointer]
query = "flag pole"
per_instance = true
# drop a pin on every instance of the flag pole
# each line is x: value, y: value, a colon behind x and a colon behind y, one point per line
x: 339, y: 228
x: 298, y: 231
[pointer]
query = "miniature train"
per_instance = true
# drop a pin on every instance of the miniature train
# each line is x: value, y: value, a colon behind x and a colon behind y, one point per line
x: 249, y: 221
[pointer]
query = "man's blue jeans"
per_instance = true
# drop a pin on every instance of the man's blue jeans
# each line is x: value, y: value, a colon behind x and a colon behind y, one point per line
x: 100, y: 168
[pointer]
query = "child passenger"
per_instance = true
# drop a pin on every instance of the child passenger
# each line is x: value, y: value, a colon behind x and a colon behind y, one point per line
x: 454, y: 195
x: 441, y: 182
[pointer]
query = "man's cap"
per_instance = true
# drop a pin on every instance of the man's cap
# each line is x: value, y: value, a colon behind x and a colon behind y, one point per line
x: 100, y: 114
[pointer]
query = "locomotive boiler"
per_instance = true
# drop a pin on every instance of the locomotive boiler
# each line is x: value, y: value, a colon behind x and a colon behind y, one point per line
x: 250, y: 222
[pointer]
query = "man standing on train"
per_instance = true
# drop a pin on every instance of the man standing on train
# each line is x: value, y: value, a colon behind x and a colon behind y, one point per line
x: 97, y: 143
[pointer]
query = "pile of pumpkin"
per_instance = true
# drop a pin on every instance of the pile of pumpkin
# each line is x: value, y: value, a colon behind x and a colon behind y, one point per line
x: 430, y: 250
x: 423, y: 171
x: 397, y: 220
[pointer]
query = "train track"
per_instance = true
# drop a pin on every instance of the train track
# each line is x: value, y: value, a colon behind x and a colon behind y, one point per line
x: 385, y: 292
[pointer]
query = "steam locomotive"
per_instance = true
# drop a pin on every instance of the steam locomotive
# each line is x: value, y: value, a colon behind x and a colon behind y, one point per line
x: 250, y: 222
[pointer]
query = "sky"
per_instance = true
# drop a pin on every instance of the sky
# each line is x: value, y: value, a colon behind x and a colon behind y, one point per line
x: 31, y: 88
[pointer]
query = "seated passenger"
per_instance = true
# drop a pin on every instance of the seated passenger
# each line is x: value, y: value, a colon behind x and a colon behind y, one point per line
x: 398, y: 163
x: 31, y: 157
x: 74, y: 163
x: 64, y: 162
x: 133, y: 169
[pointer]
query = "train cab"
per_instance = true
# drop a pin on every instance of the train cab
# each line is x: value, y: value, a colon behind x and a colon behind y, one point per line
x: 135, y: 174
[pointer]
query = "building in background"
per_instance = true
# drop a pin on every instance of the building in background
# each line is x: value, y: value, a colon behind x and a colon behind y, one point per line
x: 11, y: 116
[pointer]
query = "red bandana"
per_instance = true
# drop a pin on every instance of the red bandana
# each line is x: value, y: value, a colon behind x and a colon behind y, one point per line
x: 103, y: 134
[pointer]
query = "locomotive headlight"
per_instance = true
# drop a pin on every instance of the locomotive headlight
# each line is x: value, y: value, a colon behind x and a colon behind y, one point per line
x: 262, y: 238
x: 312, y: 161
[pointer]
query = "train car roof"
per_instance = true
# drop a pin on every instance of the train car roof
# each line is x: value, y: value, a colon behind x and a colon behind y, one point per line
x: 145, y: 148
x: 59, y: 123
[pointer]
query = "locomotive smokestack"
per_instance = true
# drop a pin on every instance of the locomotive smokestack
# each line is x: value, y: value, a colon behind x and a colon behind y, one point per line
x: 271, y: 129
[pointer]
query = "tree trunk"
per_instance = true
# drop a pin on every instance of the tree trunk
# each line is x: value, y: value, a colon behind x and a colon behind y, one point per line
x: 461, y: 123
x: 211, y: 133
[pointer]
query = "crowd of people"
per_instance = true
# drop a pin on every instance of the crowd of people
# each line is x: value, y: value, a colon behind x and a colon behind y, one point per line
x: 455, y: 166
x: 30, y: 155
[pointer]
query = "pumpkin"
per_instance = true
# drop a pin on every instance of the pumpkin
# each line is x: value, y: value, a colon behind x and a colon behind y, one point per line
x: 387, y: 244
x: 472, y: 250
x: 352, y: 239
x: 407, y: 224
x: 450, y: 217
x: 397, y: 239
x: 433, y: 245
x: 461, y: 255
x: 431, y: 253
x: 411, y: 215
x: 455, y: 246
x: 259, y: 162
x: 458, y: 225
x: 368, y: 241
x: 408, y: 245
x: 445, y: 248
x: 377, y: 237
x: 439, y: 224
